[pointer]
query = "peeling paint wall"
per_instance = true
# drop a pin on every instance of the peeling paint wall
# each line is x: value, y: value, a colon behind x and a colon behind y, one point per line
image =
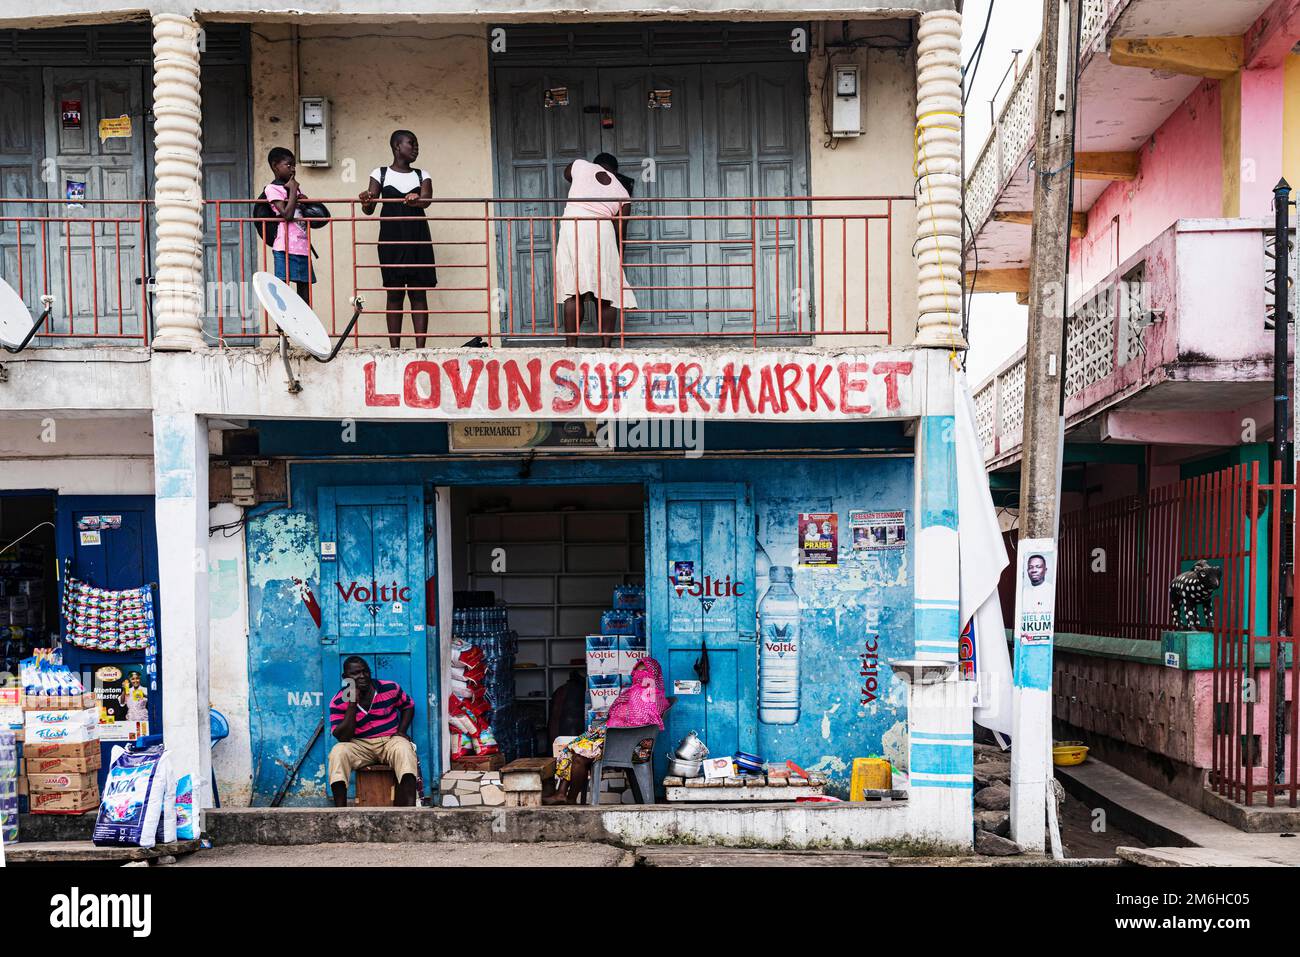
x: 835, y: 725
x: 379, y: 78
x: 228, y: 680
x: 435, y: 81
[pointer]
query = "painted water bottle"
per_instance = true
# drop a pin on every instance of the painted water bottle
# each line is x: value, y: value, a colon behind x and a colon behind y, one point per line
x: 778, y: 656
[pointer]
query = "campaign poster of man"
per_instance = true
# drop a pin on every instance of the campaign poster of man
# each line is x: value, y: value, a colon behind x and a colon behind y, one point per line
x: 819, y: 539
x: 1037, y: 595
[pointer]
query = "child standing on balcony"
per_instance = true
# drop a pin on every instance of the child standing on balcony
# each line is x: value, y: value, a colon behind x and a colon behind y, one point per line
x: 405, y: 247
x: 588, y: 251
x: 290, y: 237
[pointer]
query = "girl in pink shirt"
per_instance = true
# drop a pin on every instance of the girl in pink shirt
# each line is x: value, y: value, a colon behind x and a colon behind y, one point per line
x: 290, y: 235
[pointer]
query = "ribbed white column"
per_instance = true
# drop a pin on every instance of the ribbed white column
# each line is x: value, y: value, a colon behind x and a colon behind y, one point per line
x: 938, y: 186
x: 178, y: 172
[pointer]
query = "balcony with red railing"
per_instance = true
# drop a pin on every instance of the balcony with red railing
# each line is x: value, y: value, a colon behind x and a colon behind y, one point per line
x: 745, y: 271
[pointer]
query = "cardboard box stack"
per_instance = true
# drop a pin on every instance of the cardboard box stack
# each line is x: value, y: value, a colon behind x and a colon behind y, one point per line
x: 61, y: 754
x: 613, y: 653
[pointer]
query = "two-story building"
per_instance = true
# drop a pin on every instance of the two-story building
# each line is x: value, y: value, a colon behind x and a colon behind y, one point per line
x: 1186, y: 122
x: 794, y: 253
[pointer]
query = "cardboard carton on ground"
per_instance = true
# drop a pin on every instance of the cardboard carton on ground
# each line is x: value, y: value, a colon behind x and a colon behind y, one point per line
x: 80, y: 724
x: 77, y: 764
x: 602, y: 655
x: 81, y: 749
x: 61, y: 782
x: 628, y: 657
x: 52, y: 702
x: 600, y: 699
x: 64, y: 802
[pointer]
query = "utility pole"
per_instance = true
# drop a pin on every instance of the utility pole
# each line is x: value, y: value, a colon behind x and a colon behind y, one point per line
x: 1281, y: 452
x: 1031, y: 766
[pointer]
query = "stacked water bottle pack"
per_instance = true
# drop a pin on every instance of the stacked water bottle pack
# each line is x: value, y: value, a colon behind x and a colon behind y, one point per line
x: 481, y: 705
x: 8, y: 786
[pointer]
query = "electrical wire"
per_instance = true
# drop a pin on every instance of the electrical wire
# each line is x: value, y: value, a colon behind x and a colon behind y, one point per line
x: 977, y: 55
x: 25, y: 534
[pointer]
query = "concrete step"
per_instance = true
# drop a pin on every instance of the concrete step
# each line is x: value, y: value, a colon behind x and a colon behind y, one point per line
x: 863, y: 825
x: 1181, y: 836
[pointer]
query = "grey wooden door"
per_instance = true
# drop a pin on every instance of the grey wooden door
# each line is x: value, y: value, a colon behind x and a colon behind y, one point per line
x: 99, y: 263
x: 22, y: 148
x: 664, y: 258
x: 757, y: 117
x: 732, y: 130
x: 227, y: 175
x: 535, y: 142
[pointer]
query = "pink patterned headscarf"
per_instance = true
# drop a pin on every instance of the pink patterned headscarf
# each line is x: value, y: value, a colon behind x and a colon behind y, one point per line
x: 643, y: 702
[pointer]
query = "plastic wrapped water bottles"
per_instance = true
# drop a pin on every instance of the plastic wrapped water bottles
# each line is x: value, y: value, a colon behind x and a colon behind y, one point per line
x: 8, y: 787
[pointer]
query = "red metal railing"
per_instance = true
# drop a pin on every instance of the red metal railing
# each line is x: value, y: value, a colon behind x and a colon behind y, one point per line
x: 91, y: 256
x: 729, y: 268
x: 1116, y: 563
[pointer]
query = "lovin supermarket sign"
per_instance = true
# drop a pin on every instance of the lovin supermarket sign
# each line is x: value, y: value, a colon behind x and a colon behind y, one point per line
x: 573, y: 384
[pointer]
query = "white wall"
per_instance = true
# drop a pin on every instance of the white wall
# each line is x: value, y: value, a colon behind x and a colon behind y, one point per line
x: 78, y: 456
x: 228, y: 614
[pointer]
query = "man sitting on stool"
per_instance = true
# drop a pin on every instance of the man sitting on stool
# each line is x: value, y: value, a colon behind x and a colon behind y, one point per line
x: 370, y: 718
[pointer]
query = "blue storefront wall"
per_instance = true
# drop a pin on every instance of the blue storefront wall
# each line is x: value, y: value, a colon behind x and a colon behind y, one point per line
x: 850, y: 703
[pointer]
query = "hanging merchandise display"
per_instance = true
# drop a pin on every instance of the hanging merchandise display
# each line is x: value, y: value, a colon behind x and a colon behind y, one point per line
x: 100, y: 619
x: 480, y: 709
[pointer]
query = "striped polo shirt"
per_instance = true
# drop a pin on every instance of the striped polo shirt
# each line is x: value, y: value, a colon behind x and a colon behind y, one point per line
x: 383, y: 717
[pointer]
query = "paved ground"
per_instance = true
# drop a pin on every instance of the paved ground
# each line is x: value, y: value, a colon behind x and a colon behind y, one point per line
x: 411, y: 855
x: 1080, y: 840
x: 1216, y: 844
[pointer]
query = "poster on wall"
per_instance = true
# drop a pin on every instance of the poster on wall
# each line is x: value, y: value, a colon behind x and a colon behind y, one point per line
x: 74, y: 190
x: 1036, y: 592
x: 70, y: 114
x: 122, y: 698
x: 819, y: 539
x: 872, y: 530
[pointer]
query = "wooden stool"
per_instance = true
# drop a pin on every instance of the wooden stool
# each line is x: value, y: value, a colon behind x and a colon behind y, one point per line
x: 376, y: 786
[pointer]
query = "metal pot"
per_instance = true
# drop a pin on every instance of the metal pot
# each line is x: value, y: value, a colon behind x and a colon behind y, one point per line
x: 680, y: 768
x: 691, y: 748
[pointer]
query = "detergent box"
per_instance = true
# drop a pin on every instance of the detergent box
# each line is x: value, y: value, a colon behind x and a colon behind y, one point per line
x: 61, y: 727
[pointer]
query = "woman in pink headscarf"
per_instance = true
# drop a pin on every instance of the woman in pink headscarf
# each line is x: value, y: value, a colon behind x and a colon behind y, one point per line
x: 640, y: 704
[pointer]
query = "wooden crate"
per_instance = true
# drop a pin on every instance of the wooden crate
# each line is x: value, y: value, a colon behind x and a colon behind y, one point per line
x: 376, y: 786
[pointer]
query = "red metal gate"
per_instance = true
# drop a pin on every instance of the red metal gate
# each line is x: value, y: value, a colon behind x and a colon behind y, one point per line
x: 1254, y: 687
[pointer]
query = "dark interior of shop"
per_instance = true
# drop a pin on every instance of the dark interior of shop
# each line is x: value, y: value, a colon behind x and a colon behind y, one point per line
x: 28, y: 583
x: 553, y: 557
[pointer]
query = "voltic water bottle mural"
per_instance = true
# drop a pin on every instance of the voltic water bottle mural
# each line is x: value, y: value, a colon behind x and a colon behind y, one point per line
x: 778, y: 658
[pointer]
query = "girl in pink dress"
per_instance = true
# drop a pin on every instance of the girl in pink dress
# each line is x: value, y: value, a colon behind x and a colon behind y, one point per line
x: 588, y: 259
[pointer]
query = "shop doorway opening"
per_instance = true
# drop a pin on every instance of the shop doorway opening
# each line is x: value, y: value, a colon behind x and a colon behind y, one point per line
x: 553, y: 557
x: 108, y: 542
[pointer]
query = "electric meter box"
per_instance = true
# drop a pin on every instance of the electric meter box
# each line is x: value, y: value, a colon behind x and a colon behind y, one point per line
x: 314, y: 131
x: 846, y: 102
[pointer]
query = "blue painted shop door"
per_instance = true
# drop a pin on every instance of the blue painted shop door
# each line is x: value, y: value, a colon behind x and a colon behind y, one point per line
x: 373, y: 596
x: 700, y: 581
x: 116, y: 558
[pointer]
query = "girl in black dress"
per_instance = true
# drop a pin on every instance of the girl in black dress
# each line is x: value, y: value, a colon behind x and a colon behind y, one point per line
x: 405, y: 247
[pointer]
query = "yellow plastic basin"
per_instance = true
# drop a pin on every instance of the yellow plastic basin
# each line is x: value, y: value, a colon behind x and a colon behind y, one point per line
x: 1069, y: 753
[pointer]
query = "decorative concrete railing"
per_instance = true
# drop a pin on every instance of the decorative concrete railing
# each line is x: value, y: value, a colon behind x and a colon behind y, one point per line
x: 1012, y: 136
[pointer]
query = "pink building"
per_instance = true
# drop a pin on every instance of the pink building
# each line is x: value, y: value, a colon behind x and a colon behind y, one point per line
x: 1188, y: 116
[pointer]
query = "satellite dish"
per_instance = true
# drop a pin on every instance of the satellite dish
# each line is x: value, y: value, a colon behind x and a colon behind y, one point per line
x: 297, y: 322
x: 293, y: 316
x: 16, y: 326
